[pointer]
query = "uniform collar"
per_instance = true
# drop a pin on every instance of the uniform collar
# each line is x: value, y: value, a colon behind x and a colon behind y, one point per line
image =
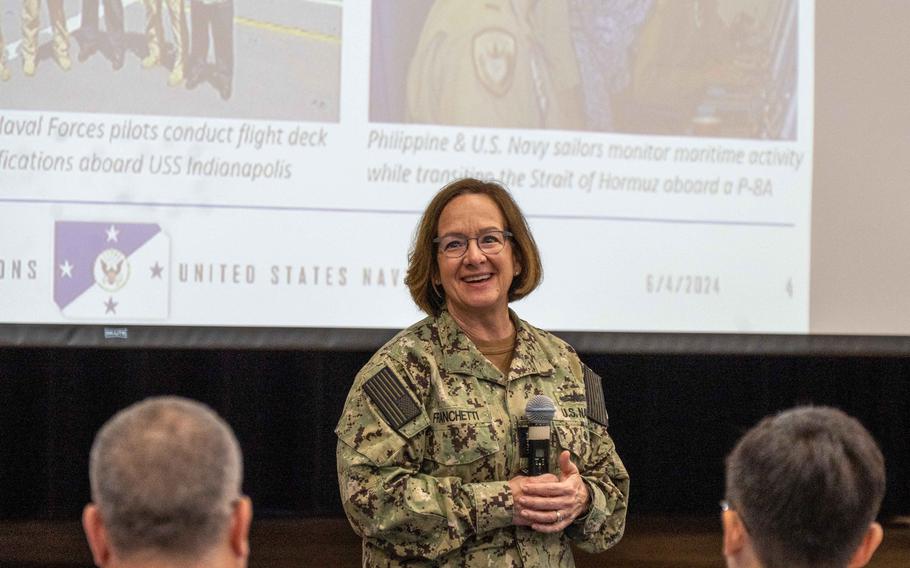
x: 460, y: 355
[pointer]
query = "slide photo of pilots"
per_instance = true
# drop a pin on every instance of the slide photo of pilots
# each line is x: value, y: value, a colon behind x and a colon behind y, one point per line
x: 725, y: 68
x: 261, y: 59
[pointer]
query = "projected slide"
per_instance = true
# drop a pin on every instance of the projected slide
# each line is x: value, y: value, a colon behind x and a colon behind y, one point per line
x: 264, y: 163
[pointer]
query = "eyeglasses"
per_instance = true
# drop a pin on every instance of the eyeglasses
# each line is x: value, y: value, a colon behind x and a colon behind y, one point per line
x: 490, y: 242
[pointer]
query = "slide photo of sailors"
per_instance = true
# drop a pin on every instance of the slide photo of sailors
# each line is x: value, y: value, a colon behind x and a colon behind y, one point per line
x: 262, y: 59
x: 724, y: 68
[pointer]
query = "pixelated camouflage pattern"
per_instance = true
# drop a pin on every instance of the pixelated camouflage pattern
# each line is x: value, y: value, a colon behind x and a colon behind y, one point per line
x: 435, y: 491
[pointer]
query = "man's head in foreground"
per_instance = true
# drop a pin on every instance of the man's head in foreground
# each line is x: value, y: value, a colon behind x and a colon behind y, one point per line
x: 803, y: 489
x: 166, y: 478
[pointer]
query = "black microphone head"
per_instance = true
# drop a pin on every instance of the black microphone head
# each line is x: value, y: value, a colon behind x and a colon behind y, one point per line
x: 540, y: 409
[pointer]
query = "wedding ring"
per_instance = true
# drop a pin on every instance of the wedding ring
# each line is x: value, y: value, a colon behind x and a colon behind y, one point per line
x: 558, y: 516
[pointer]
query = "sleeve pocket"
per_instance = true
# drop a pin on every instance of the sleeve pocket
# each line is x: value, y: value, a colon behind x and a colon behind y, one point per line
x: 362, y: 430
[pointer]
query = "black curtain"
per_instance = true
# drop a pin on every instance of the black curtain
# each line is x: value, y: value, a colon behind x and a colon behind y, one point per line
x: 673, y: 417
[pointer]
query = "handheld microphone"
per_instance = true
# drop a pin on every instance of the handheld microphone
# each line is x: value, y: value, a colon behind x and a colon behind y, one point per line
x: 539, y: 411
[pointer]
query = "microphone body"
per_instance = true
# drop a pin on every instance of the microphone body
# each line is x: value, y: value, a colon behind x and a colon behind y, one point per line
x: 539, y: 411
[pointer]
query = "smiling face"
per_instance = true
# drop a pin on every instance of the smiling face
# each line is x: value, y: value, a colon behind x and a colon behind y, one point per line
x: 477, y: 284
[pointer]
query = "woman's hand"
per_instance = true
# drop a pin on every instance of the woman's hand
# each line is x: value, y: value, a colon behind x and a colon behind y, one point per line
x: 547, y: 503
x: 517, y: 485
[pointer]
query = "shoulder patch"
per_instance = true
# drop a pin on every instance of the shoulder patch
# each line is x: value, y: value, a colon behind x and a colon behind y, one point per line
x: 594, y: 393
x: 395, y: 404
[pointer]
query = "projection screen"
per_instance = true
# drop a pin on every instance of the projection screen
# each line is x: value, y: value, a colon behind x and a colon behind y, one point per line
x: 663, y: 151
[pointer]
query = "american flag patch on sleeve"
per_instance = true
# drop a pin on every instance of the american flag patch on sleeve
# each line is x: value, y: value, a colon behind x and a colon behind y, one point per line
x: 594, y: 395
x: 395, y: 404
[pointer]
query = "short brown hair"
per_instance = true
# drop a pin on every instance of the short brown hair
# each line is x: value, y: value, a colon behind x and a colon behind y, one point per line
x: 422, y: 267
x: 165, y: 474
x: 806, y: 484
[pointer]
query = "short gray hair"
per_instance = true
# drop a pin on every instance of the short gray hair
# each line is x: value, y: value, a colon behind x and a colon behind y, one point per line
x: 165, y: 474
x: 806, y: 483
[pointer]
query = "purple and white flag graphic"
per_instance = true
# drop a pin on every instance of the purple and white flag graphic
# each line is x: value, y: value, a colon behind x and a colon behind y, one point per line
x: 111, y: 271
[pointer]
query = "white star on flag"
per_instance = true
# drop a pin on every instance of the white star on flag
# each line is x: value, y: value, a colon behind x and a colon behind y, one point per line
x: 98, y: 279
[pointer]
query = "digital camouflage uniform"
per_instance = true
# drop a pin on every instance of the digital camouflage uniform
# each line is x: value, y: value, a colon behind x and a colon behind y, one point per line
x: 496, y: 63
x: 429, y: 439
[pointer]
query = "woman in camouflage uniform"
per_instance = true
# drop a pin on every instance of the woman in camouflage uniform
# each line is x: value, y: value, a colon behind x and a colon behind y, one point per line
x: 430, y: 467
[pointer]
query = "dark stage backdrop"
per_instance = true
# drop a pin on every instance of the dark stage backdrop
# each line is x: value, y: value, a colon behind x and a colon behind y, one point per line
x: 674, y: 418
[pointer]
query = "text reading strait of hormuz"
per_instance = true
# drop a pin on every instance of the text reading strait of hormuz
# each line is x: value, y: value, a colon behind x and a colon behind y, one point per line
x: 406, y: 143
